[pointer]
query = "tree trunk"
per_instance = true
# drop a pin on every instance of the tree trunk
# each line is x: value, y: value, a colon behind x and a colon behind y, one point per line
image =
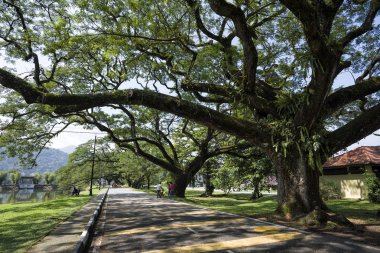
x: 298, y: 185
x: 181, y: 180
x: 256, y: 194
x: 148, y: 182
x: 209, y: 189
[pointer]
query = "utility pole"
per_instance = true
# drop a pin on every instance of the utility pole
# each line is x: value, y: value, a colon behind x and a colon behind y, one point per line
x: 92, y: 167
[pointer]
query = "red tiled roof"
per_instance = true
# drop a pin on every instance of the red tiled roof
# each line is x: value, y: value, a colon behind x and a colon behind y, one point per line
x: 359, y: 156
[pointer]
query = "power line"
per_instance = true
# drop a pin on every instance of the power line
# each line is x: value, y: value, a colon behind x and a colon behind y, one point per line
x: 81, y: 132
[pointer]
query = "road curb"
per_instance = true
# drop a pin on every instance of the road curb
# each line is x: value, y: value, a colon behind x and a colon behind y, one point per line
x: 84, y: 239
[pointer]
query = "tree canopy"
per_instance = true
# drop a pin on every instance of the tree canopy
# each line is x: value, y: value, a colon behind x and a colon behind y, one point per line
x: 262, y: 71
x: 77, y: 172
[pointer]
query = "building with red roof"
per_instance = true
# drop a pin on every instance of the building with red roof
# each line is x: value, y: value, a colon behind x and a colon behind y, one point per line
x: 347, y: 171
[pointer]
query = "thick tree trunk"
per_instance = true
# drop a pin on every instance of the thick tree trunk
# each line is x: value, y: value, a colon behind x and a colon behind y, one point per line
x: 298, y: 186
x: 181, y: 180
x: 183, y: 177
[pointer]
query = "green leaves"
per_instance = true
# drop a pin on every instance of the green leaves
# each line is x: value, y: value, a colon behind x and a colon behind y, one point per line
x: 102, y: 48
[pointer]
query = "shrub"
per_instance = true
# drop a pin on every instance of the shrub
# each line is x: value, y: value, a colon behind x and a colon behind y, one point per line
x: 373, y: 185
x: 329, y: 190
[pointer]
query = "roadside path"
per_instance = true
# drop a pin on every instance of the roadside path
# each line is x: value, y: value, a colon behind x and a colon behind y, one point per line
x: 65, y: 236
x: 137, y: 222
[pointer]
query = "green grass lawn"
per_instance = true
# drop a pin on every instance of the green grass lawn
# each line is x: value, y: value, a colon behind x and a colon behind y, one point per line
x: 21, y: 225
x: 233, y: 203
x: 362, y: 211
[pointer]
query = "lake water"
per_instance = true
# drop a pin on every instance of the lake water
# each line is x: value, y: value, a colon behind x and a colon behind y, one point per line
x: 27, y: 196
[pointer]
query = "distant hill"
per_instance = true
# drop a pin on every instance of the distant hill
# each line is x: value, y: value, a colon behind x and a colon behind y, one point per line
x: 48, y: 161
x: 68, y: 149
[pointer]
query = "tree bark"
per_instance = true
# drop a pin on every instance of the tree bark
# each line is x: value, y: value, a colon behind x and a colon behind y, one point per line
x: 298, y: 185
x: 148, y: 182
x: 256, y: 194
x: 181, y: 180
x: 207, y: 180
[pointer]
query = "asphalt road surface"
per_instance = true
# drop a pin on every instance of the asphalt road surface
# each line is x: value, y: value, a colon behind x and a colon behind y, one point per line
x: 136, y: 222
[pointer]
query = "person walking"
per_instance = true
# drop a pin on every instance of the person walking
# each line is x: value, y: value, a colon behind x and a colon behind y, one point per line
x: 159, y: 190
x: 171, y: 190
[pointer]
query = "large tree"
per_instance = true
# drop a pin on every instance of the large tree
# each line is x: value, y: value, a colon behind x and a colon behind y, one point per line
x: 262, y: 71
x: 176, y: 145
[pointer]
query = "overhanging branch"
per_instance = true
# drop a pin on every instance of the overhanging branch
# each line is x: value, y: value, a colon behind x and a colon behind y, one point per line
x: 255, y: 132
x: 365, y: 26
x: 349, y: 94
x: 358, y: 128
x: 231, y: 96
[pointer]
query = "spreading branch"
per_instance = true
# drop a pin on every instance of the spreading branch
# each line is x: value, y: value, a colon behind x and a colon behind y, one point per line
x: 255, y: 132
x: 246, y: 36
x: 355, y: 130
x: 349, y: 94
x: 364, y: 27
x: 231, y: 95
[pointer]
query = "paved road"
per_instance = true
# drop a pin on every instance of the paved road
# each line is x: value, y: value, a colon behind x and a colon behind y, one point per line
x: 137, y: 222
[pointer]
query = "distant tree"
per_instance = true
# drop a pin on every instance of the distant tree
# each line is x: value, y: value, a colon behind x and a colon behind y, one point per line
x: 225, y: 178
x: 207, y: 173
x: 14, y: 176
x: 49, y: 178
x: 244, y: 170
x: 3, y: 177
x: 37, y: 178
x: 77, y: 172
x: 137, y: 170
x: 254, y: 168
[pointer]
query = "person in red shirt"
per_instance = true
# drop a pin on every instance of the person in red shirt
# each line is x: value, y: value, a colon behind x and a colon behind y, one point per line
x: 171, y: 190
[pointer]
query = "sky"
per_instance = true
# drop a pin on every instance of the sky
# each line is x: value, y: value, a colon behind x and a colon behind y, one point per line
x: 74, y: 136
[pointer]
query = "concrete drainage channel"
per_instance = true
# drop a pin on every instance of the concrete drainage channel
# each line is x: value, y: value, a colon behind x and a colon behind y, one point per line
x: 84, y: 240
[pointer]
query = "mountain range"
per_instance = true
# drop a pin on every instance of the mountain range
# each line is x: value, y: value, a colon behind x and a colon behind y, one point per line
x: 68, y: 149
x: 49, y: 160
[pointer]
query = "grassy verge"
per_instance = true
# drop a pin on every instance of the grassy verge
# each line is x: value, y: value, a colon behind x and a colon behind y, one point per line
x: 361, y: 211
x: 233, y: 203
x: 358, y: 211
x: 21, y: 225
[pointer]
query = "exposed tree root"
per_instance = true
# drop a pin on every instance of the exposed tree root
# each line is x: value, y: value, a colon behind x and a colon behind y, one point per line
x: 319, y: 218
